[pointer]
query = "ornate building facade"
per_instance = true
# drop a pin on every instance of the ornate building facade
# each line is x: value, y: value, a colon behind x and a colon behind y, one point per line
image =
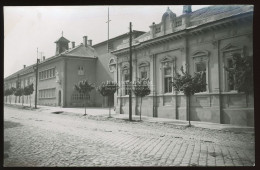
x: 202, y: 40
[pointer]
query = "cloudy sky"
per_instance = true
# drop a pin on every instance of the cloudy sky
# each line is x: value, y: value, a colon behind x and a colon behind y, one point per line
x: 29, y: 28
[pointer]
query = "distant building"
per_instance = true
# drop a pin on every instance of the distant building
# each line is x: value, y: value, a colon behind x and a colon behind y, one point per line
x: 58, y: 74
x: 202, y: 40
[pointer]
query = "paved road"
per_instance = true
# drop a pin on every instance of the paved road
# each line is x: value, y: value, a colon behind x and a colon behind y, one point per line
x: 38, y: 138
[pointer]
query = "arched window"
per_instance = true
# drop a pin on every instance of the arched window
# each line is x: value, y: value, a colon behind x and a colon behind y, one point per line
x: 112, y: 65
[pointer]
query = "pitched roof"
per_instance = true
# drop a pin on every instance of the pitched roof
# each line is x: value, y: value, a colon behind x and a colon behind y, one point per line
x: 138, y: 33
x: 26, y: 70
x: 78, y: 51
x: 216, y: 12
x: 81, y: 51
x: 62, y: 39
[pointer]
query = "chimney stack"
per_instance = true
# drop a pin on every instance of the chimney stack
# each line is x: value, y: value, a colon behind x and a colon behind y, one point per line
x: 73, y: 44
x: 43, y: 58
x: 24, y: 66
x: 186, y: 9
x: 90, y: 42
x: 85, y: 41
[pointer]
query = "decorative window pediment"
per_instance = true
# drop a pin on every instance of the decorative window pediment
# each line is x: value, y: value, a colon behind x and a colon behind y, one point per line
x: 167, y: 61
x: 144, y: 64
x: 230, y: 47
x: 200, y: 55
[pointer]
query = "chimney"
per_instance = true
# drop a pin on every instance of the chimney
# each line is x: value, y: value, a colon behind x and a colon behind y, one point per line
x: 90, y: 42
x: 85, y: 41
x: 24, y: 66
x: 73, y: 44
x: 186, y: 9
x: 43, y: 58
x: 152, y: 29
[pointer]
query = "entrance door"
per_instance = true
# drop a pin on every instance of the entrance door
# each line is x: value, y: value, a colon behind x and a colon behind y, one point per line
x: 59, y: 102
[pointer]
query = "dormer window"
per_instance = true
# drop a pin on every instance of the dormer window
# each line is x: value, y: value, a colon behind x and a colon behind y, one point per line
x: 178, y: 22
x: 157, y: 29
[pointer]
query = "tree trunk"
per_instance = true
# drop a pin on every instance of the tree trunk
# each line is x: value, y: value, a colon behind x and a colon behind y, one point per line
x: 30, y: 100
x: 22, y: 100
x: 109, y: 106
x: 188, y: 109
x: 141, y: 109
x: 85, y: 107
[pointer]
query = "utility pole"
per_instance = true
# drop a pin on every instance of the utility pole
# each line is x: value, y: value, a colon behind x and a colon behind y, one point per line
x: 108, y: 30
x: 130, y: 69
x: 36, y: 80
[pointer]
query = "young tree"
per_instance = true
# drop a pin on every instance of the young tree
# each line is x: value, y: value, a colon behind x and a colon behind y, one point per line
x: 12, y: 90
x: 18, y: 92
x: 6, y: 93
x: 242, y: 73
x: 84, y: 87
x: 189, y: 85
x: 108, y: 89
x: 30, y: 90
x: 141, y: 89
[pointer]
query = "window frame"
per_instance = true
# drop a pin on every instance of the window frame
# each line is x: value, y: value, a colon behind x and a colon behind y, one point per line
x: 227, y: 53
x: 202, y: 56
x: 144, y: 67
x: 166, y: 63
x: 125, y: 71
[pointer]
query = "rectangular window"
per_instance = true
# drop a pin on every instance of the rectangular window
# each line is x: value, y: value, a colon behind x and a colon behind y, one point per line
x: 201, y: 67
x: 167, y: 80
x: 46, y: 74
x: 47, y: 93
x: 144, y: 75
x: 127, y: 78
x: 231, y: 79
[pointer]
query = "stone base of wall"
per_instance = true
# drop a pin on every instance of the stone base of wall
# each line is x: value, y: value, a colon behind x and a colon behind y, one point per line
x: 203, y: 107
x: 238, y: 116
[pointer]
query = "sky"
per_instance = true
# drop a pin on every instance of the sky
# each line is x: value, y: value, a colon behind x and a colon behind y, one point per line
x: 32, y: 27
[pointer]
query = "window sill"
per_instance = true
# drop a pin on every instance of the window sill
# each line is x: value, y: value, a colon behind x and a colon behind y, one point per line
x: 47, y: 98
x: 47, y: 79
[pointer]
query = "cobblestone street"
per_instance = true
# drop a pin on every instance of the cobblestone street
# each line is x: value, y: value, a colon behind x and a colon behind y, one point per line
x: 41, y: 138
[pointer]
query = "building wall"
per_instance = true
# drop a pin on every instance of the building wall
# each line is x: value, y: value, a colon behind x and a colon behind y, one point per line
x: 12, y: 83
x: 217, y: 104
x: 102, y: 66
x: 58, y: 64
x: 73, y: 78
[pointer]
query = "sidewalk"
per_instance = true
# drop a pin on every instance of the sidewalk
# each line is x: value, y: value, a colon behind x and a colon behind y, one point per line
x: 105, y: 111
